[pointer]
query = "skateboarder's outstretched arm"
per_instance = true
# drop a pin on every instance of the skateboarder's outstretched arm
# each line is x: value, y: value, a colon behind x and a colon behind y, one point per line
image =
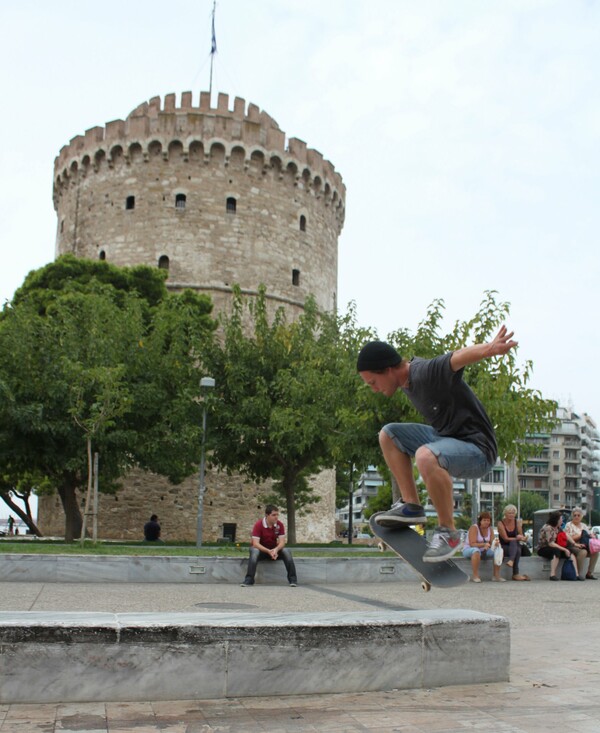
x: 501, y: 344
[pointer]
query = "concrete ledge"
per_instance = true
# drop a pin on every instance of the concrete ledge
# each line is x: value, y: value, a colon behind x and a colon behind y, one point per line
x: 104, y: 657
x: 197, y: 569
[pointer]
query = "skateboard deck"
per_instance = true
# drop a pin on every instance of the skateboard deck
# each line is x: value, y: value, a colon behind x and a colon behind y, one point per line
x: 410, y: 546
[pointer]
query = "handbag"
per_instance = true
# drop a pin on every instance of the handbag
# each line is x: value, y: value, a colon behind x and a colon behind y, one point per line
x: 585, y: 539
x: 594, y: 544
x: 561, y: 539
x: 568, y: 570
x: 525, y: 551
x: 499, y: 554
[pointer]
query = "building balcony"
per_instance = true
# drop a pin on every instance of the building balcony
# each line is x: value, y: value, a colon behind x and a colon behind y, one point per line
x: 534, y: 471
x: 489, y: 488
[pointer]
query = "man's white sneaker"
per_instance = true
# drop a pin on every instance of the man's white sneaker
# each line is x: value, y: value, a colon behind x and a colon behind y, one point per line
x: 444, y: 544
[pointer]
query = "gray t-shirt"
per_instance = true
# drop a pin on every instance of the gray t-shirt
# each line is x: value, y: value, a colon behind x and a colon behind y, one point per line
x: 448, y: 404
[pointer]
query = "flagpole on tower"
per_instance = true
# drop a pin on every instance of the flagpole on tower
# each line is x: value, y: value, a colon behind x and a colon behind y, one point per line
x: 213, y: 48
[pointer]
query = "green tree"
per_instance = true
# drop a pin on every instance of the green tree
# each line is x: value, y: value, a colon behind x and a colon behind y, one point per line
x: 529, y: 502
x: 102, y: 363
x: 72, y: 273
x: 280, y: 390
x: 381, y: 501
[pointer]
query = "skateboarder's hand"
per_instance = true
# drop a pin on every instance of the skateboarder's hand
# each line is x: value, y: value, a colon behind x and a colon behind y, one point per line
x: 502, y: 342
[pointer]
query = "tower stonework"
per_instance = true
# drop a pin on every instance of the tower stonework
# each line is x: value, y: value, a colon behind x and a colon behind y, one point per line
x: 216, y: 197
x: 212, y: 195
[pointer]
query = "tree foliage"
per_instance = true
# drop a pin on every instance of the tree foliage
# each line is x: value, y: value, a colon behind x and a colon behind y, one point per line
x: 283, y: 392
x: 72, y: 273
x: 528, y: 501
x: 91, y: 362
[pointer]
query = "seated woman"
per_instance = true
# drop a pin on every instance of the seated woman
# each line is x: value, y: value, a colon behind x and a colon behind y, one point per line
x: 479, y: 544
x: 511, y: 535
x: 550, y: 549
x: 575, y: 529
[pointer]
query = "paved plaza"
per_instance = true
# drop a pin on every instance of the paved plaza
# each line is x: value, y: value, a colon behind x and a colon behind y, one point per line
x: 555, y: 662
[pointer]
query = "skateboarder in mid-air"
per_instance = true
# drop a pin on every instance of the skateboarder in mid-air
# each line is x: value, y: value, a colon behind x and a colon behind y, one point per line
x: 458, y: 439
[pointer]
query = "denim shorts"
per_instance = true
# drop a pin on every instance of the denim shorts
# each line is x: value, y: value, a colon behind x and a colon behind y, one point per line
x: 470, y: 551
x: 459, y: 458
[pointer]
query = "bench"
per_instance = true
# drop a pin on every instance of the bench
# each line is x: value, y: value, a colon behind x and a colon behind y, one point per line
x: 197, y: 569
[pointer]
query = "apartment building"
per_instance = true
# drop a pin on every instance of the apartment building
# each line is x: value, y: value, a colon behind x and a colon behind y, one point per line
x: 367, y: 486
x: 567, y: 469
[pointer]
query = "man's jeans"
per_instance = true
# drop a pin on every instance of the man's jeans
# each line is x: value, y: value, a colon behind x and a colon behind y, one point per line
x: 257, y: 556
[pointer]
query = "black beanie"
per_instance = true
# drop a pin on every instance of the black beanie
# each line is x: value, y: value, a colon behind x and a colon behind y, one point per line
x: 377, y: 355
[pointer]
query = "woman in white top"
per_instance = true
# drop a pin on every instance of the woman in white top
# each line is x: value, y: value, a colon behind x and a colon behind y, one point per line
x: 574, y: 529
x: 479, y: 544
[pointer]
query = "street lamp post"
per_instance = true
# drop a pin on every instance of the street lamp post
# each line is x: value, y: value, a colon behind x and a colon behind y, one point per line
x: 205, y: 383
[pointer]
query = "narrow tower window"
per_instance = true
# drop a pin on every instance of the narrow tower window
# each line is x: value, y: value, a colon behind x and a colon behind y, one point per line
x: 163, y: 262
x: 302, y: 223
x: 180, y: 199
x: 102, y: 255
x: 130, y: 203
x: 231, y: 205
x: 295, y: 277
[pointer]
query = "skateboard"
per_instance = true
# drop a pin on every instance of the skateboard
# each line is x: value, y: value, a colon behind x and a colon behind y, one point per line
x: 410, y: 546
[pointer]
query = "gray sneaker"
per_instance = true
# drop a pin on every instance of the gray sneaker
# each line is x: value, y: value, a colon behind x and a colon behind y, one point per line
x: 444, y: 543
x: 401, y: 514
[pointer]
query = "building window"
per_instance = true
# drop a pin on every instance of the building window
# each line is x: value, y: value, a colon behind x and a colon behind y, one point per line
x: 302, y: 223
x: 130, y: 203
x: 62, y: 225
x: 102, y: 255
x: 295, y: 277
x: 231, y: 205
x: 180, y: 199
x: 163, y: 262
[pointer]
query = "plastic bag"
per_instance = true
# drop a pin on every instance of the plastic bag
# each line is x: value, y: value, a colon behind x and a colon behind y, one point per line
x: 594, y: 545
x: 498, y: 555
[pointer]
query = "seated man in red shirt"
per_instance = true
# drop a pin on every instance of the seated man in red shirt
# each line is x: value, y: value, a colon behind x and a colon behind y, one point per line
x: 268, y: 543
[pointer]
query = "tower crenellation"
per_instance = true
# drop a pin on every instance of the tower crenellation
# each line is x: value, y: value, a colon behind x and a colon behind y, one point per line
x: 164, y: 121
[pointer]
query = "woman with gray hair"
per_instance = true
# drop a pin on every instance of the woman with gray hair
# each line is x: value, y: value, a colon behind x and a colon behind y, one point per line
x: 511, y: 535
x: 576, y: 529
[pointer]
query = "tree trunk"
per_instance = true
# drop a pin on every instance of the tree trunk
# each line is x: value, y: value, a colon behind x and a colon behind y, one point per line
x: 73, y: 520
x: 88, y: 496
x: 24, y: 515
x: 288, y: 484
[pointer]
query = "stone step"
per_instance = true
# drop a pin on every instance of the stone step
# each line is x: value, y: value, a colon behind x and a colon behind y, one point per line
x: 105, y: 657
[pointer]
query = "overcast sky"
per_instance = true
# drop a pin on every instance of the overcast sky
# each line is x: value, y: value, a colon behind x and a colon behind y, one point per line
x: 466, y: 132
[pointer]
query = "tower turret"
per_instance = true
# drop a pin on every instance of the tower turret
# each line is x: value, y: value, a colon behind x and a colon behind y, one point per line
x: 213, y: 195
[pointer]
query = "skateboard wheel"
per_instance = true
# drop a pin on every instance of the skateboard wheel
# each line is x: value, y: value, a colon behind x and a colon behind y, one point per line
x: 426, y: 586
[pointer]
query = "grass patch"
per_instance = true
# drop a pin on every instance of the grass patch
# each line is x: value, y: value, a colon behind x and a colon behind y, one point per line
x: 58, y: 547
